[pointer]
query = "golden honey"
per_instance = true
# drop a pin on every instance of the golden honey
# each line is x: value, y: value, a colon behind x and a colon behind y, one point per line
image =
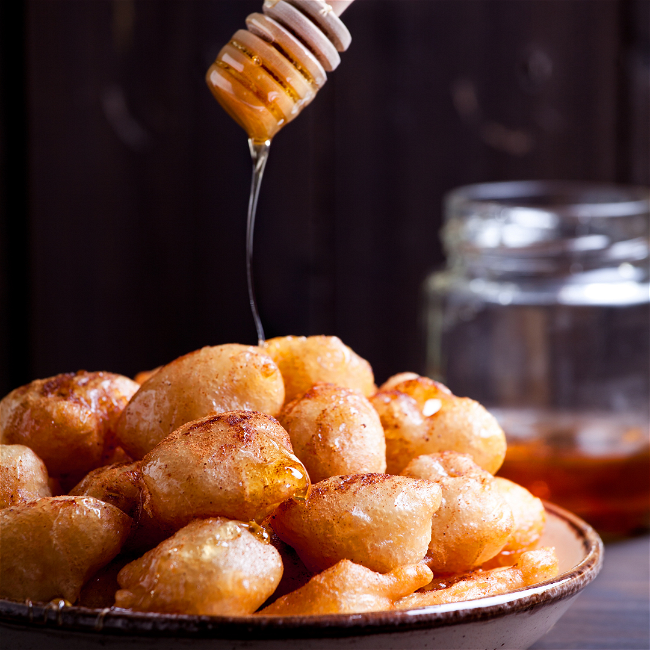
x: 609, y: 488
x: 266, y: 75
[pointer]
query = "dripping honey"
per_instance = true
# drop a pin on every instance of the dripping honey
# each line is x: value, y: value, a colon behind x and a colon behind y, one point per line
x: 266, y: 75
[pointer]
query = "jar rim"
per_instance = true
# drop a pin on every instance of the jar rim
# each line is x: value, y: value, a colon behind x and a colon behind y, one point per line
x: 546, y: 227
x: 565, y: 199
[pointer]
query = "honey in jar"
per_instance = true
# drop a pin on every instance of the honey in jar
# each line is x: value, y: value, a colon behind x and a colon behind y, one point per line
x: 543, y: 316
x: 595, y: 465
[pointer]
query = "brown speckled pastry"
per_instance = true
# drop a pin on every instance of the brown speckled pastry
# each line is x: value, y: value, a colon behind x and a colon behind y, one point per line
x: 67, y: 420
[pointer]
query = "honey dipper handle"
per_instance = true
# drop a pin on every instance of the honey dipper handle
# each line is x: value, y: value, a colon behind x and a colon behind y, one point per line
x: 339, y: 6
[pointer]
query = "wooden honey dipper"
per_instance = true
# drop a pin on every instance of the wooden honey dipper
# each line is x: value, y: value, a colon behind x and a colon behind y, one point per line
x: 269, y: 72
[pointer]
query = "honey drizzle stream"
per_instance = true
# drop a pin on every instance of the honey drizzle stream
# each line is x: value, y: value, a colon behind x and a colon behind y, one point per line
x: 259, y: 154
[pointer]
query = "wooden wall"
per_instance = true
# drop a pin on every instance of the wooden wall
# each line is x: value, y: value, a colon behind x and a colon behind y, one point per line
x: 124, y: 185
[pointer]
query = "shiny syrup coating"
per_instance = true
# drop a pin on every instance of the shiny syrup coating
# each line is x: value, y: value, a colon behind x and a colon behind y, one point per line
x: 68, y: 420
x: 237, y: 465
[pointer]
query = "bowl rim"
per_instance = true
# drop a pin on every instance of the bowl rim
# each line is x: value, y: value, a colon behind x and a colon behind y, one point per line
x: 116, y: 621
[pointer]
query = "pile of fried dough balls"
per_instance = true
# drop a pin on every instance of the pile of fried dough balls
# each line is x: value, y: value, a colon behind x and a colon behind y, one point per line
x: 274, y: 480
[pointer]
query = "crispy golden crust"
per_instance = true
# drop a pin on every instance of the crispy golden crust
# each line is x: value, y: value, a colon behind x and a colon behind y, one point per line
x: 474, y: 521
x: 67, y: 420
x: 530, y: 519
x: 348, y: 588
x: 210, y: 380
x: 117, y: 484
x: 335, y: 431
x: 528, y: 511
x: 532, y: 567
x: 400, y: 377
x: 50, y: 547
x: 212, y: 567
x: 212, y: 456
x: 23, y: 476
x: 235, y: 464
x: 376, y: 520
x: 305, y: 361
x: 421, y: 416
x: 402, y: 422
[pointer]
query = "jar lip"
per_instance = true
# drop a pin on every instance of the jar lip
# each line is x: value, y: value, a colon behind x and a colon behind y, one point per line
x: 545, y: 227
x: 564, y: 199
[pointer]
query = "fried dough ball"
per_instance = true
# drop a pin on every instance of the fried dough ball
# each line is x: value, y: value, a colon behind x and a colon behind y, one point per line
x: 528, y: 511
x: 212, y: 567
x: 50, y: 547
x: 530, y: 519
x: 532, y: 567
x: 421, y: 416
x: 121, y: 485
x: 237, y: 465
x: 117, y: 484
x: 23, y: 476
x: 436, y: 467
x: 376, y: 520
x: 403, y: 424
x: 474, y: 521
x: 67, y: 420
x: 305, y: 361
x: 393, y: 381
x: 421, y: 389
x: 335, y: 431
x: 349, y: 588
x: 210, y: 380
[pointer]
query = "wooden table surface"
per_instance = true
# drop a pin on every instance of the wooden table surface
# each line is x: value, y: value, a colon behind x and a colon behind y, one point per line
x: 613, y: 612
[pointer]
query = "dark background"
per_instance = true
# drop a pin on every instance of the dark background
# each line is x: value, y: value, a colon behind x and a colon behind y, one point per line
x: 124, y: 185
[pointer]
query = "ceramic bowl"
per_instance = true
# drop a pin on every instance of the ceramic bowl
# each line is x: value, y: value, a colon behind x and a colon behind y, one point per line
x: 511, y: 621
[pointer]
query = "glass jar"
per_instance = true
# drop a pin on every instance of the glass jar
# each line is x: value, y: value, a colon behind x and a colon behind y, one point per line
x: 543, y: 315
